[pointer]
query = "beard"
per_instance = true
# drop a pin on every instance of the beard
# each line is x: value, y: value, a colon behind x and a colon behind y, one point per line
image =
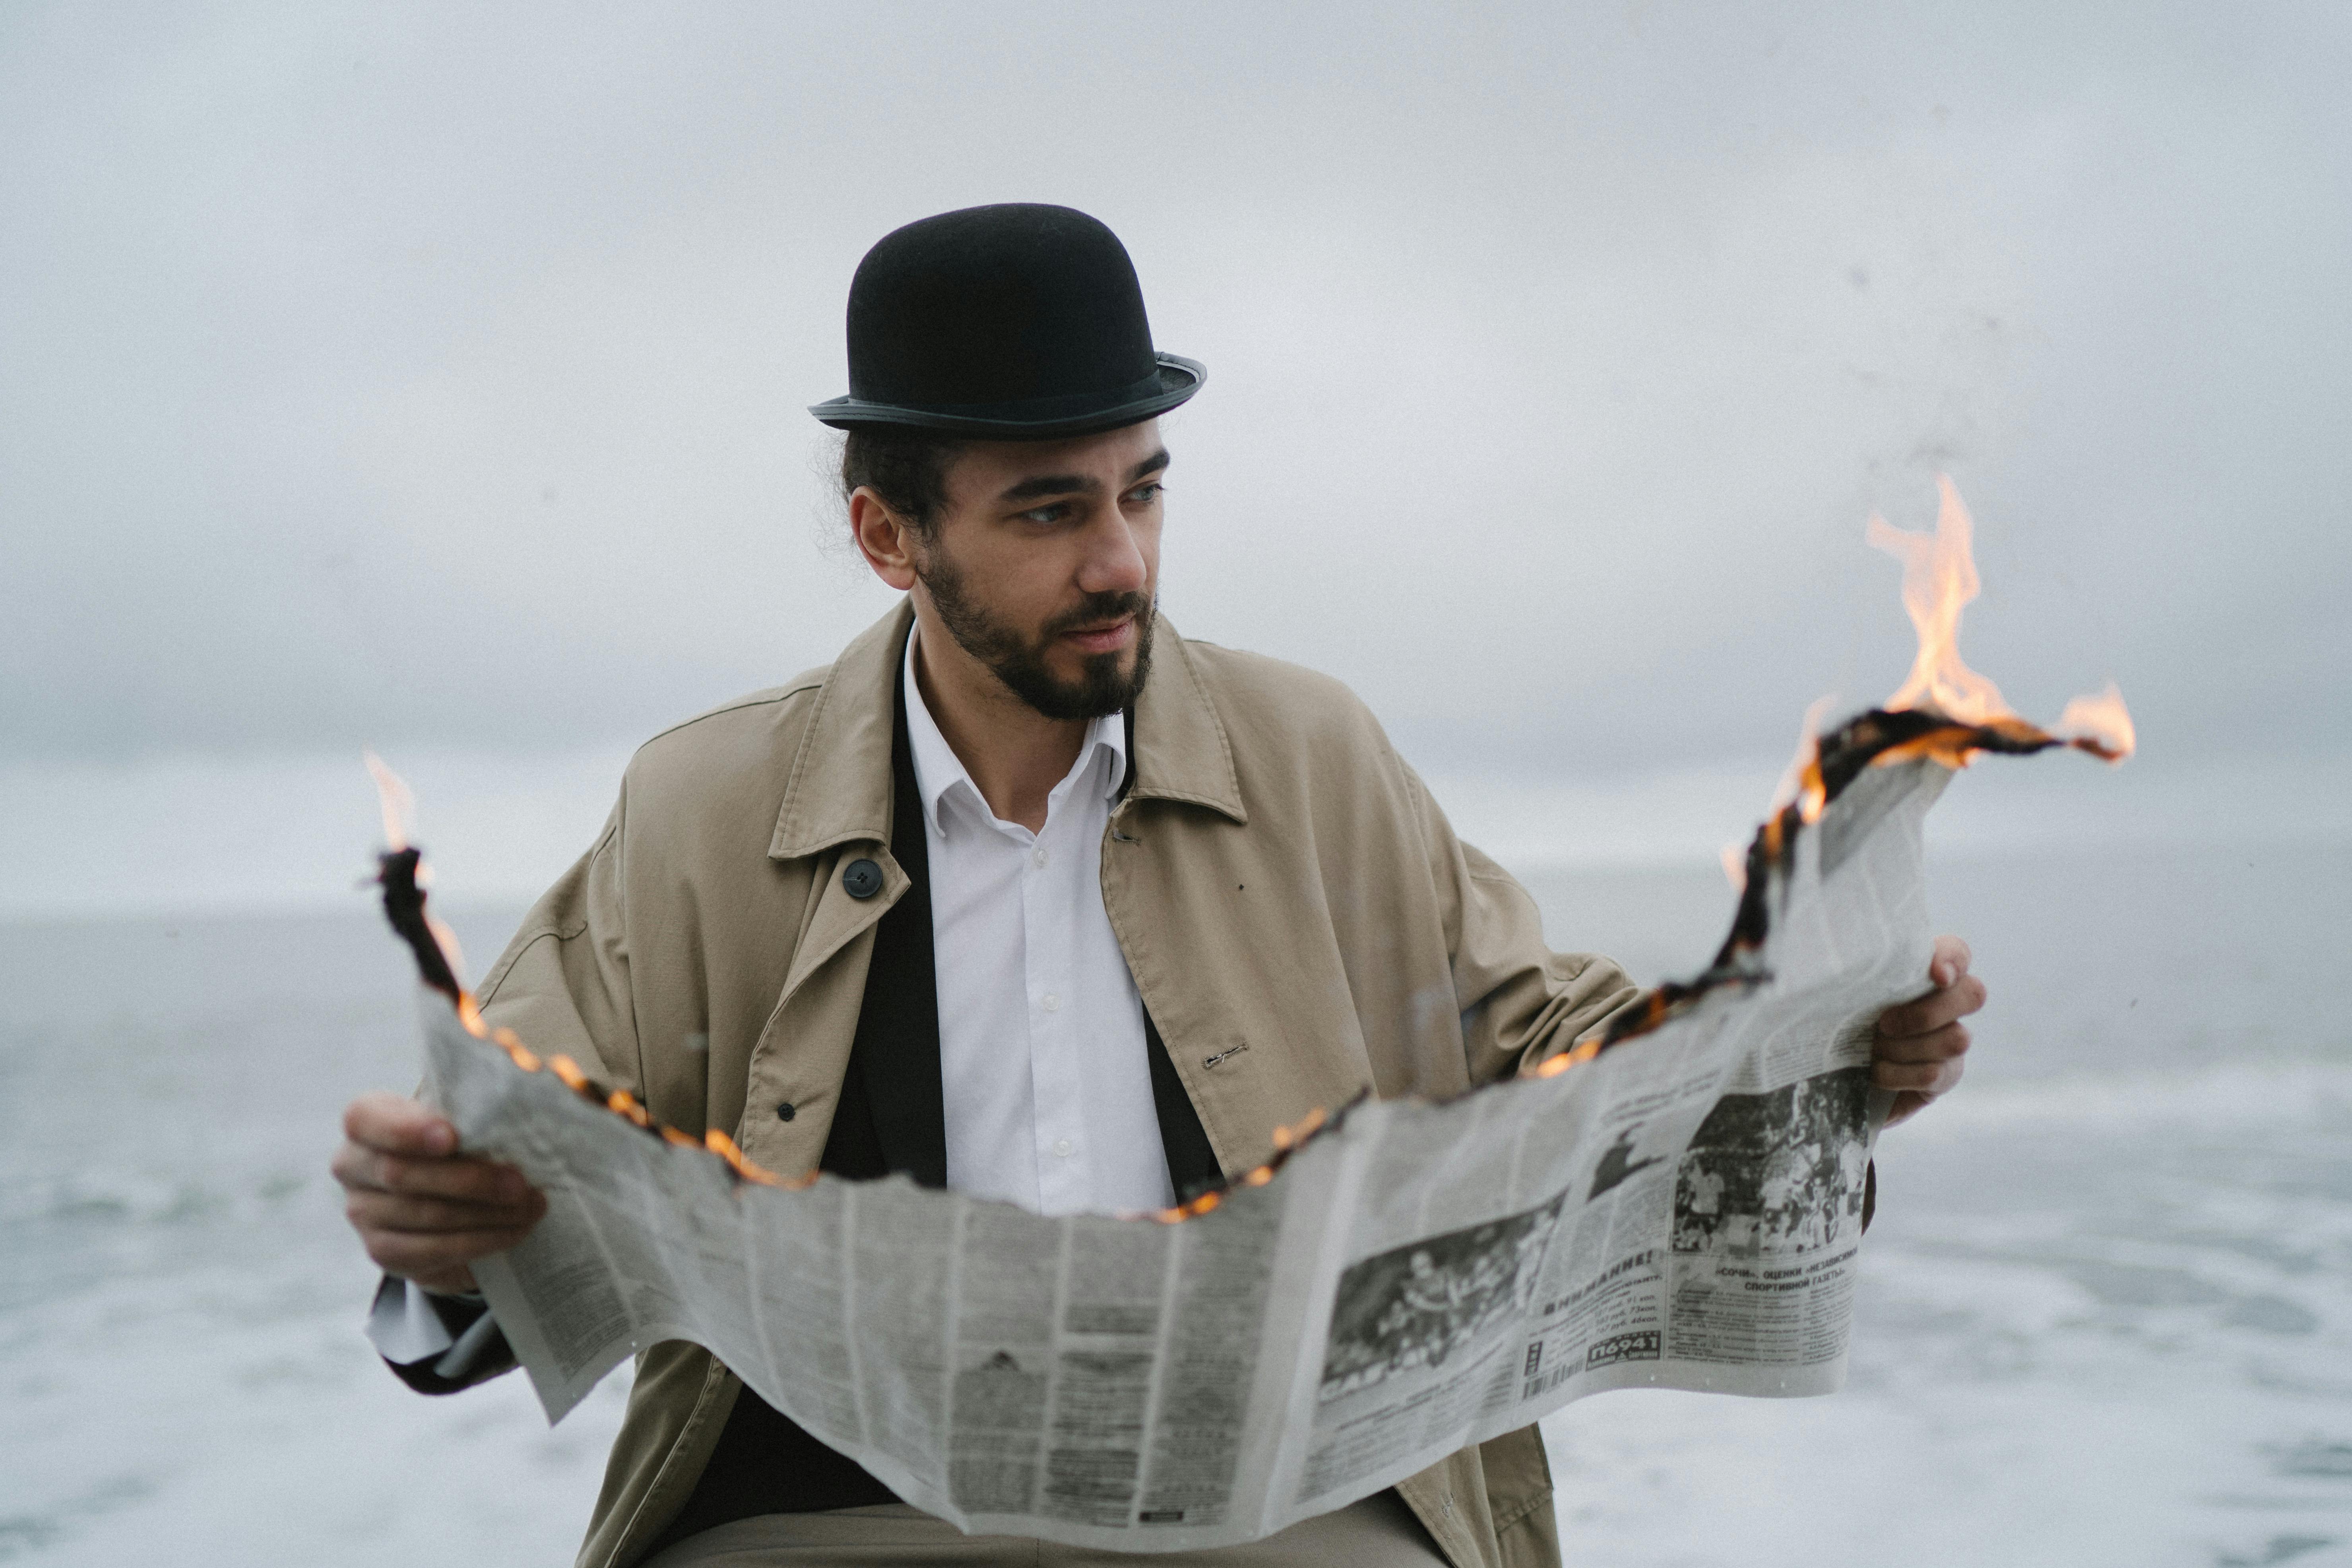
x: 1101, y: 688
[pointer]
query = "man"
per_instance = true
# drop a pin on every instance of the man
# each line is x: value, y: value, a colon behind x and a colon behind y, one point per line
x: 1026, y: 894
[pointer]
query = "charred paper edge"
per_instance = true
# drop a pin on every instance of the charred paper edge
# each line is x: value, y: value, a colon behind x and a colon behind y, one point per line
x: 1877, y: 737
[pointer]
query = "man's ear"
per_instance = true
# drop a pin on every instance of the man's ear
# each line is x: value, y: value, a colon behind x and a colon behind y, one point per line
x: 884, y: 538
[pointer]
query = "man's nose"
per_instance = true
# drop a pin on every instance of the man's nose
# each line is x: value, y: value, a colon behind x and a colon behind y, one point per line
x: 1114, y: 562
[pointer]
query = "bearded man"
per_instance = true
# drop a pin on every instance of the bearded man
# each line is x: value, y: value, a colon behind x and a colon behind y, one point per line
x: 1024, y: 895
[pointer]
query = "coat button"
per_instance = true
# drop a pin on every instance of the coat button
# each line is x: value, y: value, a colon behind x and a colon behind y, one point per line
x: 861, y: 878
x: 785, y: 1112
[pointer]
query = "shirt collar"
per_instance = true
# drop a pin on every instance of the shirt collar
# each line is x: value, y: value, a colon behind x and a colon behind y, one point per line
x: 938, y: 769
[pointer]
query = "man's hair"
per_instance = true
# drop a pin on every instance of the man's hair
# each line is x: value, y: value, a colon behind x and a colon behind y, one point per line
x: 907, y: 469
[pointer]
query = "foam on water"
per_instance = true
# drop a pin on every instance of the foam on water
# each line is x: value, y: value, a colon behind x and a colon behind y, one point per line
x: 2117, y: 1338
x: 2283, y: 1097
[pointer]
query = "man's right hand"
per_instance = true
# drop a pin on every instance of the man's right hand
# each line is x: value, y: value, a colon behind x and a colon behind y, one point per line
x: 424, y: 1211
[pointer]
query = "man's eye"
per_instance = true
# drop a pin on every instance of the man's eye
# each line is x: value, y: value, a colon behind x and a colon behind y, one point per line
x: 1045, y: 514
x: 1142, y: 495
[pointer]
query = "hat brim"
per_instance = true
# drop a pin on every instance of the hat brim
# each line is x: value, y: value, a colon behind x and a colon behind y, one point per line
x: 1174, y: 380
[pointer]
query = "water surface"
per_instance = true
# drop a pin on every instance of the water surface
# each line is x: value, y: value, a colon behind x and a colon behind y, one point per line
x: 2106, y: 1315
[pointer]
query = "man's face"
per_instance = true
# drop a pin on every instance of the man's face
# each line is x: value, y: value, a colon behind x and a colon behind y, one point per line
x: 1045, y: 565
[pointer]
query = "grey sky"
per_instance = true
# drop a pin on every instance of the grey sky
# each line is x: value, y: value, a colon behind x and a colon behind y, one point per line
x: 436, y: 378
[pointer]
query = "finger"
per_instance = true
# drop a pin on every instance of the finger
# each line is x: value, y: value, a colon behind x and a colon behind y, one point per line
x: 414, y: 1256
x: 465, y: 1180
x: 369, y: 1212
x: 1925, y: 1077
x: 398, y: 1125
x: 1927, y: 1014
x: 1951, y: 960
x: 1936, y: 1045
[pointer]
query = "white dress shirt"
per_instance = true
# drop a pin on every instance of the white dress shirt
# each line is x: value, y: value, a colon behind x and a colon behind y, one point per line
x: 1042, y: 1073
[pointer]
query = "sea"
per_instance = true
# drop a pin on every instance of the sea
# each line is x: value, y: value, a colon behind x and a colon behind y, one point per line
x: 2105, y: 1312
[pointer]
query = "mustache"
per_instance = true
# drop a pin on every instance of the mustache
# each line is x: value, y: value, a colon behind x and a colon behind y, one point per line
x: 1097, y: 608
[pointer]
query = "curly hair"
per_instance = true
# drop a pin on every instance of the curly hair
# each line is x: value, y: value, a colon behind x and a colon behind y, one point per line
x: 907, y: 469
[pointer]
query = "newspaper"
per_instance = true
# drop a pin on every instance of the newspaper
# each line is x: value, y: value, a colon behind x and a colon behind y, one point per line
x: 1682, y: 1210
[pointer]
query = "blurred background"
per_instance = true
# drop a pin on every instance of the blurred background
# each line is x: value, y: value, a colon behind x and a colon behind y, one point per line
x: 434, y: 378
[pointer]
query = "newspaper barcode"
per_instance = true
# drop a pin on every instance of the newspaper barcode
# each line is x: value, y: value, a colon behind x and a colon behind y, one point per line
x: 1538, y: 1386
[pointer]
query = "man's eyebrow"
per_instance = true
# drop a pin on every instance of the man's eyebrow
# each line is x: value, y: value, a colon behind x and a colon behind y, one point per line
x: 1037, y: 485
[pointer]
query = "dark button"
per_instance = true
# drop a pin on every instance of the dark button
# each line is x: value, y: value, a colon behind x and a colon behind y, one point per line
x: 785, y: 1112
x: 861, y: 878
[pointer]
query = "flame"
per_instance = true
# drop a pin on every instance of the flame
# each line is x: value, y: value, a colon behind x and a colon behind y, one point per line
x: 1584, y: 1051
x: 723, y: 1146
x: 511, y: 1043
x: 1944, y: 713
x: 1287, y: 1140
x: 2099, y: 725
x: 1940, y: 578
x: 446, y: 941
x: 398, y: 801
x: 1802, y: 785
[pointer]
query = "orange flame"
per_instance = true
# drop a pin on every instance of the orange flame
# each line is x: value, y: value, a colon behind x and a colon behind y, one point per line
x: 1802, y: 785
x: 1287, y: 1140
x: 446, y: 941
x: 1940, y: 578
x: 398, y: 803
x: 1584, y: 1051
x: 2101, y: 724
x: 507, y: 1040
x: 723, y: 1146
x: 397, y: 799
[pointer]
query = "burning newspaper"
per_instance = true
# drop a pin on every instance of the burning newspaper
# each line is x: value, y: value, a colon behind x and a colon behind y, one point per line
x: 1677, y: 1201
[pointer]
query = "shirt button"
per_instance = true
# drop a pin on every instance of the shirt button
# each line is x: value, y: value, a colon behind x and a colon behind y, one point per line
x: 1050, y: 1002
x: 1041, y: 857
x: 1062, y: 1147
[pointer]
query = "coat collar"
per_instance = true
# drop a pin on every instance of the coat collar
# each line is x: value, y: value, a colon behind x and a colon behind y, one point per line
x: 839, y: 790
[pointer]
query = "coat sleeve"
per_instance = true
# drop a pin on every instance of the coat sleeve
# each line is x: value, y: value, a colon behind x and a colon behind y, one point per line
x: 1520, y: 1001
x: 437, y: 1344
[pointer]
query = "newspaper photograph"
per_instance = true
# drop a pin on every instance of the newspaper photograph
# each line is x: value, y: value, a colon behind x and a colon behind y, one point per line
x: 1676, y: 1202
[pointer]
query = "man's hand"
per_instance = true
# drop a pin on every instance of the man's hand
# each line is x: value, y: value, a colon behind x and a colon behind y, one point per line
x: 1921, y: 1044
x: 425, y: 1211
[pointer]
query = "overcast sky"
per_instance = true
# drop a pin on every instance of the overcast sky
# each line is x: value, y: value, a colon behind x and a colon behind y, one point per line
x: 436, y: 376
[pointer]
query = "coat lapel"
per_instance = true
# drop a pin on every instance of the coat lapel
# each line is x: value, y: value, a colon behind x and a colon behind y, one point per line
x: 838, y: 796
x: 1179, y: 745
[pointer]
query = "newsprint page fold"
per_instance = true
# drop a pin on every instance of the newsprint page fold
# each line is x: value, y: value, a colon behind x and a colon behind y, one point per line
x: 1681, y: 1210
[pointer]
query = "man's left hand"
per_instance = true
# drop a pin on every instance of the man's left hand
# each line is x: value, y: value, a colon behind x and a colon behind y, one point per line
x: 1922, y: 1044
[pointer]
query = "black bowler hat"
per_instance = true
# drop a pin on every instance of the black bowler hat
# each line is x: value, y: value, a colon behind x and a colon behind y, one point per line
x: 1018, y: 322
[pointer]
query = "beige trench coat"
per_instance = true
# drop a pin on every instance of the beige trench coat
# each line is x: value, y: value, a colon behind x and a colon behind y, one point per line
x: 1300, y: 920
